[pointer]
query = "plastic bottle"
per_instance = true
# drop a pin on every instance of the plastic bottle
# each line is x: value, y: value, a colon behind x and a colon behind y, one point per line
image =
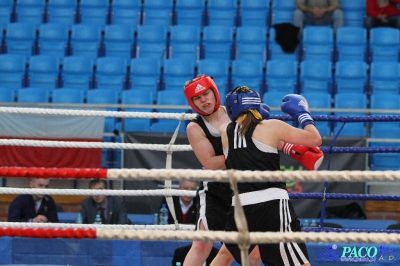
x: 306, y: 223
x: 313, y: 223
x: 78, y: 219
x: 97, y: 220
x: 178, y: 264
x: 156, y: 220
x: 163, y: 214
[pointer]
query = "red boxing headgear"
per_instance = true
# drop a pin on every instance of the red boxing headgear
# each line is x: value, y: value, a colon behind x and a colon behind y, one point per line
x: 198, y: 86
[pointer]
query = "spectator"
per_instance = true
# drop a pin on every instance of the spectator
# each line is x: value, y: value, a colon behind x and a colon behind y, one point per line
x: 382, y: 13
x: 33, y: 208
x: 185, y: 206
x: 318, y: 13
x: 112, y: 209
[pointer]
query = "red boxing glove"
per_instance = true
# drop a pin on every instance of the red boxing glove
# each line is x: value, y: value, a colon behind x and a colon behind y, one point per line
x: 310, y: 158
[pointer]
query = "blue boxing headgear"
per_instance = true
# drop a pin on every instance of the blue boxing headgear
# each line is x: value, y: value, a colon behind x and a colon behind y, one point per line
x: 241, y: 99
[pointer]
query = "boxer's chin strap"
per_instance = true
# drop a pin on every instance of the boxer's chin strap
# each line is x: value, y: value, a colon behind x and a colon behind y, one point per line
x: 168, y: 183
x: 321, y: 221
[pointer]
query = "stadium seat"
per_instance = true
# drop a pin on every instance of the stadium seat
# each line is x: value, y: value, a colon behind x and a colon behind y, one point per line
x: 281, y: 75
x: 282, y: 11
x: 350, y: 100
x: 176, y: 72
x: 138, y: 97
x: 320, y: 99
x: 275, y: 50
x: 104, y: 96
x: 384, y: 44
x: 354, y: 12
x: 53, y: 39
x: 190, y: 12
x: 274, y: 100
x: 316, y: 75
x: 318, y: 43
x: 77, y: 72
x: 20, y: 39
x: 351, y: 43
x: 384, y: 78
x: 156, y: 12
x: 184, y: 42
x: 85, y: 40
x: 111, y: 73
x: 169, y: 98
x: 251, y: 43
x: 382, y: 102
x: 254, y: 13
x: 30, y: 11
x: 119, y: 41
x: 68, y: 95
x: 350, y: 76
x: 7, y: 95
x: 217, y: 42
x: 12, y: 71
x: 94, y: 12
x: 43, y: 72
x: 219, y: 70
x: 151, y: 41
x: 385, y: 161
x: 6, y: 12
x: 127, y: 12
x: 248, y: 73
x: 222, y: 13
x: 33, y: 95
x: 62, y: 11
x: 145, y: 74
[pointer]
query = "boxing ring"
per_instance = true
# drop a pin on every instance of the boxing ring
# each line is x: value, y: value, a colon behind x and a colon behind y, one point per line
x: 133, y: 235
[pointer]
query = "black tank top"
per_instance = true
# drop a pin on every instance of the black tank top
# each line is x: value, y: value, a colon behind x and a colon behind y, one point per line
x: 215, y: 141
x: 246, y: 156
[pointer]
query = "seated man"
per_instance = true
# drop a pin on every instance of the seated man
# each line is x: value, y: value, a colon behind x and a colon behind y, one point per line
x: 33, y: 208
x: 185, y: 206
x: 112, y: 209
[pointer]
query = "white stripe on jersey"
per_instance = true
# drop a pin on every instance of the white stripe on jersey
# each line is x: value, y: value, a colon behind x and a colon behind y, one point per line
x: 239, y: 141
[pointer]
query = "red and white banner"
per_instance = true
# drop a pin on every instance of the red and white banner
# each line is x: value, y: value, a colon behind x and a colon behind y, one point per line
x: 55, y: 128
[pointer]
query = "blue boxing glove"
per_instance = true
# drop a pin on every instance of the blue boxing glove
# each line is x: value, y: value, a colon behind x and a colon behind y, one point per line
x: 297, y: 107
x: 264, y: 111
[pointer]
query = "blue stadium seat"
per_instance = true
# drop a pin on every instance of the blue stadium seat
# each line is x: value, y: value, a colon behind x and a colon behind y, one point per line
x: 12, y: 71
x: 94, y: 12
x: 320, y: 99
x: 119, y: 40
x: 350, y: 100
x: 139, y: 97
x: 384, y: 161
x: 318, y: 43
x: 127, y: 12
x: 169, y: 98
x: 222, y: 12
x: 62, y: 11
x: 145, y: 74
x: 254, y: 13
x: 316, y: 75
x: 354, y: 12
x: 184, y: 42
x: 350, y: 76
x: 111, y: 73
x: 6, y: 12
x: 176, y: 72
x: 251, y: 43
x: 151, y: 41
x: 30, y: 11
x: 53, y: 39
x: 33, y: 95
x: 275, y: 50
x: 248, y: 73
x: 384, y: 44
x: 383, y: 101
x: 217, y: 42
x: 68, y: 95
x: 20, y: 39
x: 219, y: 70
x: 384, y: 78
x: 85, y: 40
x: 281, y: 75
x: 7, y: 95
x: 351, y: 43
x: 274, y: 100
x: 104, y: 96
x: 77, y: 72
x: 190, y: 12
x: 282, y: 11
x: 156, y: 12
x: 43, y: 72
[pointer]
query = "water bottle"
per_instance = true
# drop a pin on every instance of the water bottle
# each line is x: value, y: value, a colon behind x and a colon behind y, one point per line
x: 178, y: 264
x: 313, y: 223
x: 97, y: 220
x: 156, y: 220
x: 306, y: 224
x: 163, y: 214
x: 78, y: 219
